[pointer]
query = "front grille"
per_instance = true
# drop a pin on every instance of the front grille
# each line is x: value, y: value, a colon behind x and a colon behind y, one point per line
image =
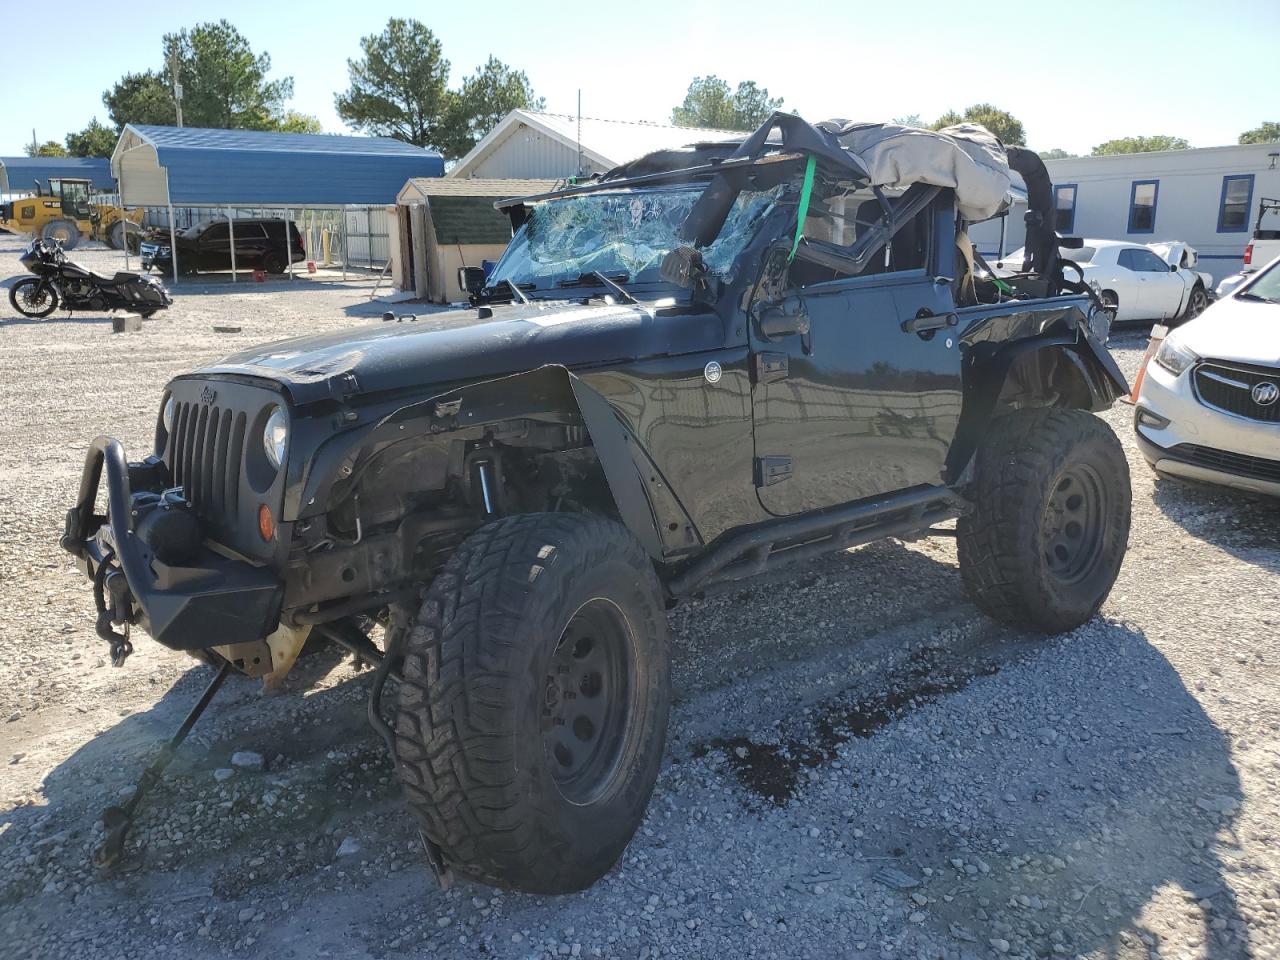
x: 204, y: 452
x: 1239, y: 464
x: 1229, y: 387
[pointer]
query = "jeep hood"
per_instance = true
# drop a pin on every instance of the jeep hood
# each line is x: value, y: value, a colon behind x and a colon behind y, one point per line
x: 442, y: 349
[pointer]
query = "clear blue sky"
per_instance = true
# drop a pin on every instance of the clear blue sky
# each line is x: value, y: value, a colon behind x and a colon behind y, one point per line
x: 1075, y: 73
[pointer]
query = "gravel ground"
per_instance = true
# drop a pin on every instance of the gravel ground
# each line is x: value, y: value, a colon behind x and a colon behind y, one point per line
x: 859, y: 763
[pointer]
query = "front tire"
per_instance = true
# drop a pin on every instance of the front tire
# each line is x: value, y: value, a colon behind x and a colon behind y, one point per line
x: 64, y: 231
x: 1044, y: 542
x: 534, y: 707
x: 1197, y: 303
x: 28, y: 299
x: 1110, y: 304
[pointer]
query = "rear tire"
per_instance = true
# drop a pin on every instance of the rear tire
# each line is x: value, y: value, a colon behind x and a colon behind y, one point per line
x: 273, y: 263
x: 534, y: 707
x: 20, y: 298
x: 1050, y: 525
x: 124, y: 232
x: 64, y: 231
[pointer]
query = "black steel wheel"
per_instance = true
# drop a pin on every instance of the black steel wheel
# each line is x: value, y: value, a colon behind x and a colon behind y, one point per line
x: 1044, y: 540
x: 1071, y: 532
x: 534, y: 705
x: 31, y: 299
x: 587, y: 700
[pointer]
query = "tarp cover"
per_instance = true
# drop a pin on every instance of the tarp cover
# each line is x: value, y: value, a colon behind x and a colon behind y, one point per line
x: 966, y: 157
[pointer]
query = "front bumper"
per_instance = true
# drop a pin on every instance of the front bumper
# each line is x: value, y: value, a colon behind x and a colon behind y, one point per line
x: 210, y: 600
x: 1202, y: 443
x: 154, y: 255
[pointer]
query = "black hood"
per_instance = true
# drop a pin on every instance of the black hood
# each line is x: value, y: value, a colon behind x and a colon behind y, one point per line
x: 461, y: 345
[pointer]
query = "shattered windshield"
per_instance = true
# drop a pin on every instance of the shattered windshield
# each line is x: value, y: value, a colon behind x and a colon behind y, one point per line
x: 623, y: 232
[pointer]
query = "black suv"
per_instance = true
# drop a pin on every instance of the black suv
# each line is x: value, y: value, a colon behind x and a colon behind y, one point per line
x: 206, y: 245
x: 708, y: 364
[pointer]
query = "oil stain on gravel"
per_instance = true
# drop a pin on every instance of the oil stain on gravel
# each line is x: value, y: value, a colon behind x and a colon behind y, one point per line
x: 772, y: 771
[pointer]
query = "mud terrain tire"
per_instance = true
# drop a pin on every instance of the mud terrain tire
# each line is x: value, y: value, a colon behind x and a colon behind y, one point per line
x: 533, y: 712
x: 1045, y: 540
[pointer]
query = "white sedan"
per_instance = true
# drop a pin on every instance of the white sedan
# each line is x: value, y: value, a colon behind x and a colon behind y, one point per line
x: 1209, y: 406
x: 1136, y: 282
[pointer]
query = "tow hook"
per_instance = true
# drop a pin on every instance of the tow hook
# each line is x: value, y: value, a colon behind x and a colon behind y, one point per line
x: 109, y: 581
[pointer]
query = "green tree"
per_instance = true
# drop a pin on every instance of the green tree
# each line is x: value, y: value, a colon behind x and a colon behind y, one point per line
x: 95, y: 140
x: 397, y: 89
x: 486, y: 96
x: 1139, y: 145
x: 295, y: 122
x: 710, y: 103
x: 50, y: 148
x: 1006, y: 127
x: 1057, y: 153
x: 140, y: 98
x: 224, y: 84
x: 910, y: 120
x: 1269, y: 132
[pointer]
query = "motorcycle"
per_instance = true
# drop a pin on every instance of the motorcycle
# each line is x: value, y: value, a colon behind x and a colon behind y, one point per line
x: 58, y: 281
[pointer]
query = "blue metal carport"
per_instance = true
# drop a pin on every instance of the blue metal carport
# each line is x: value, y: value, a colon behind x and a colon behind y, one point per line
x: 201, y: 167
x: 20, y: 174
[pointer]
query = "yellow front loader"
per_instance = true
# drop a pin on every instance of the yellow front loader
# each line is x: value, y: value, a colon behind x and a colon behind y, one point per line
x: 68, y: 213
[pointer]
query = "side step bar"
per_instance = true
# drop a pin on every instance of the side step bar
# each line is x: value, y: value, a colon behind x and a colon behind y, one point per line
x: 766, y: 546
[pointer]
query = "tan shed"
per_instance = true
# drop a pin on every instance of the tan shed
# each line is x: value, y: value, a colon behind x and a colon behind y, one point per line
x: 446, y: 224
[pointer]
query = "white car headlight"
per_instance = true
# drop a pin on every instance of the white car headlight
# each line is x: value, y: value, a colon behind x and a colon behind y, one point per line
x: 275, y: 436
x: 166, y: 415
x: 1174, y: 357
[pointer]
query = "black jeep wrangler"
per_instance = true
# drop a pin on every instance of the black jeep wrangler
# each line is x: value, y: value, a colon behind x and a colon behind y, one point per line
x: 702, y: 366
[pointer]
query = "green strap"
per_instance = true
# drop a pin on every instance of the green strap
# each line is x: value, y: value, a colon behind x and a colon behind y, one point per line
x: 806, y: 191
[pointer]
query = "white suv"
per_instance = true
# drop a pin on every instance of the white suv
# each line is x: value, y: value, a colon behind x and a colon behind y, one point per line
x: 1209, y: 407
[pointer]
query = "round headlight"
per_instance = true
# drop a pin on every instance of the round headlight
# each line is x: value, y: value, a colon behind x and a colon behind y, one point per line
x: 166, y: 415
x: 275, y: 436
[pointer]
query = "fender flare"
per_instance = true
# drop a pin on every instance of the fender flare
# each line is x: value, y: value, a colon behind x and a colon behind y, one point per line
x: 985, y: 381
x: 645, y: 503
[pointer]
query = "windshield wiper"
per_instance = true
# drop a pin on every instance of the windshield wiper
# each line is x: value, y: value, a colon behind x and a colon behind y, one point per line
x: 516, y: 292
x: 1248, y: 295
x: 600, y: 279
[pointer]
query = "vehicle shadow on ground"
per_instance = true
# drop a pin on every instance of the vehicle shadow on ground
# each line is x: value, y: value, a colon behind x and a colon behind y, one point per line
x: 1147, y: 801
x: 1134, y: 790
x: 1243, y: 524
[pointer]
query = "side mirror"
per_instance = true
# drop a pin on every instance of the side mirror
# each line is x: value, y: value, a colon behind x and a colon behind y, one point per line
x: 471, y: 279
x: 683, y: 267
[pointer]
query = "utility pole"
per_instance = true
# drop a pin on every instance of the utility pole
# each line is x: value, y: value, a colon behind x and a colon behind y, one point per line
x: 581, y: 172
x: 177, y: 85
x: 34, y: 146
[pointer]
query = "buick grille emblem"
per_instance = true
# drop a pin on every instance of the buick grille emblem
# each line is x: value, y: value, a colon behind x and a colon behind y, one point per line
x: 1265, y: 393
x: 208, y: 394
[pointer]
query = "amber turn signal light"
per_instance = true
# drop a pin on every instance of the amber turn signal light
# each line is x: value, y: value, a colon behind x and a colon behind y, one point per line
x: 266, y: 523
